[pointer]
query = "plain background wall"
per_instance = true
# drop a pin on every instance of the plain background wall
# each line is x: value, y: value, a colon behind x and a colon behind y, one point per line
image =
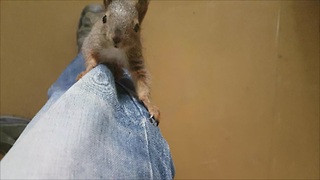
x: 237, y: 81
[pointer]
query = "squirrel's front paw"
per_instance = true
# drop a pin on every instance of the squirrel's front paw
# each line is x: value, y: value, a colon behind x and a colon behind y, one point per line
x: 154, y: 113
x: 81, y: 75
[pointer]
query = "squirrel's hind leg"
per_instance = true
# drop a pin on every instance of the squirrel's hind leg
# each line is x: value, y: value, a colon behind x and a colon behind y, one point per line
x: 141, y: 79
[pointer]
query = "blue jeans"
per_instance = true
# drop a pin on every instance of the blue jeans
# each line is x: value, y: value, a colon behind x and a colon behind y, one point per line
x: 91, y: 129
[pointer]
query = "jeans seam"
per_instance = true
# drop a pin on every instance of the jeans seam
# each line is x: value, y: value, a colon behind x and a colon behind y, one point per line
x: 135, y: 102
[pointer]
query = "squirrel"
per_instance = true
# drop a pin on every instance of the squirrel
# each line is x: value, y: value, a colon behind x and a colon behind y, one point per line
x: 115, y: 41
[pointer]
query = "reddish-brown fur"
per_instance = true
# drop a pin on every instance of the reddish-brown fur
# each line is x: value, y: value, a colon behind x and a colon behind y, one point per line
x: 115, y: 41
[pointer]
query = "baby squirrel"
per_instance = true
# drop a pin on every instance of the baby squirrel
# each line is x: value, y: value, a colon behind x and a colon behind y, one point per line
x: 115, y: 41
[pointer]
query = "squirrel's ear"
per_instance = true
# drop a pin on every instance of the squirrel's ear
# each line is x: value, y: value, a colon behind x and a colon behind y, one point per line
x: 106, y: 3
x: 142, y: 7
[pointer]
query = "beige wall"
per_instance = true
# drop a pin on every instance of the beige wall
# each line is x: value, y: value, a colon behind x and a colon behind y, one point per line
x: 237, y: 81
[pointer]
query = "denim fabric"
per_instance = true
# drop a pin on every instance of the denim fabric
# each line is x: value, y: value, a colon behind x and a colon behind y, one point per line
x: 91, y: 129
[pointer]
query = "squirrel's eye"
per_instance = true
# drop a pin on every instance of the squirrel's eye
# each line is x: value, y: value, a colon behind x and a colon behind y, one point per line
x: 104, y: 19
x: 136, y: 28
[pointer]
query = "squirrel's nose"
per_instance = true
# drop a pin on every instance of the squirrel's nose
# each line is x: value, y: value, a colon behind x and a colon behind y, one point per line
x: 116, y: 40
x: 117, y: 37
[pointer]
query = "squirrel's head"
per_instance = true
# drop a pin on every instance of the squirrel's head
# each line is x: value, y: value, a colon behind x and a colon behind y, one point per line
x: 122, y: 21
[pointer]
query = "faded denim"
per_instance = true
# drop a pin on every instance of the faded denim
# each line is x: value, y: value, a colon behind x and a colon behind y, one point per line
x: 91, y: 129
